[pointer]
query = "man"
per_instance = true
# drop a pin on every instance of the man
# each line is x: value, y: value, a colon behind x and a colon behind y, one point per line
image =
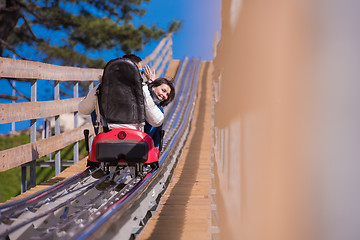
x: 153, y: 115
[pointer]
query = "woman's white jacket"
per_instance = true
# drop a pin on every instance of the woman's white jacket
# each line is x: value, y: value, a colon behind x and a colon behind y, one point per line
x: 153, y: 115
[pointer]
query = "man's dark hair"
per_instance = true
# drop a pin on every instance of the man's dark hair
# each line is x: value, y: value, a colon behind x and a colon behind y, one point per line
x: 157, y: 82
x: 133, y: 57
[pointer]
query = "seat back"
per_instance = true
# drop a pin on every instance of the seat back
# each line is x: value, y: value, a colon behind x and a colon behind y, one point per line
x: 121, y: 98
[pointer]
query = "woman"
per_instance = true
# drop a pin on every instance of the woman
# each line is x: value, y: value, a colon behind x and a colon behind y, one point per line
x: 162, y: 92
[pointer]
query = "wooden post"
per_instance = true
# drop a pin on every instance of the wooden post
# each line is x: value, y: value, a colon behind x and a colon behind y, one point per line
x: 33, y: 134
x: 91, y: 138
x: 23, y: 167
x: 57, y: 129
x: 13, y: 83
x: 76, y: 144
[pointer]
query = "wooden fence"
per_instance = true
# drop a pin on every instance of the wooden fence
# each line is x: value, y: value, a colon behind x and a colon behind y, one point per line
x: 26, y: 155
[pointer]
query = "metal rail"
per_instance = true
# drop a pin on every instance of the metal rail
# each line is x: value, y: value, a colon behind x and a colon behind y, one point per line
x: 113, y: 206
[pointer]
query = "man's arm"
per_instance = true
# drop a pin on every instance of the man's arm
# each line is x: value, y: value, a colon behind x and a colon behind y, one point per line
x: 87, y: 105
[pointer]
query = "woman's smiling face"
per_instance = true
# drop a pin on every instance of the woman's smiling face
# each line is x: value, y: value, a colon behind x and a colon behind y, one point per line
x: 162, y: 91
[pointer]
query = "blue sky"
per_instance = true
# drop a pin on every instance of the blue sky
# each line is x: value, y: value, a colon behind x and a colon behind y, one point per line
x: 201, y: 20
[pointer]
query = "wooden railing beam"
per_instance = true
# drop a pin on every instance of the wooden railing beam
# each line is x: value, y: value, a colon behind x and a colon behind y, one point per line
x: 13, y: 68
x: 14, y: 112
x: 14, y: 157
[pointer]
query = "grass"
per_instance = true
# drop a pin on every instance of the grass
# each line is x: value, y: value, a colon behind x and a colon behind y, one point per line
x: 10, y: 180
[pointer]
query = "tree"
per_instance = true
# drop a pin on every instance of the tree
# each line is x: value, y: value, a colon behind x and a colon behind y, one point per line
x: 65, y: 32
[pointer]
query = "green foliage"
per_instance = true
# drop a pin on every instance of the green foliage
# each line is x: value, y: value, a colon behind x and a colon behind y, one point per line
x: 7, y: 142
x: 175, y: 26
x: 65, y: 32
x: 10, y: 181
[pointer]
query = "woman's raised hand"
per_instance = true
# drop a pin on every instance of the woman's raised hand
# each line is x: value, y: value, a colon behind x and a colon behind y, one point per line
x: 149, y: 74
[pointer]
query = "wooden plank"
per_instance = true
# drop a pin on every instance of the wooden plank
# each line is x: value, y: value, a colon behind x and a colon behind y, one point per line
x: 156, y: 51
x: 13, y: 68
x: 165, y: 61
x: 14, y: 112
x: 172, y: 69
x: 166, y: 50
x: 14, y: 157
x: 184, y: 211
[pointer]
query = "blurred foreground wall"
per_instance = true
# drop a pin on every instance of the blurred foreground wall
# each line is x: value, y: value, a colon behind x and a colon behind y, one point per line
x: 287, y: 120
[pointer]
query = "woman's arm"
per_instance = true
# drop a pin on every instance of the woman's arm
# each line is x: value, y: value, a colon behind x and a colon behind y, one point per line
x: 149, y: 74
x: 153, y: 114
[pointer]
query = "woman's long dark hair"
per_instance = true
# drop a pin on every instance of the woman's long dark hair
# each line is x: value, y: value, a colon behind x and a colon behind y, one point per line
x: 157, y: 82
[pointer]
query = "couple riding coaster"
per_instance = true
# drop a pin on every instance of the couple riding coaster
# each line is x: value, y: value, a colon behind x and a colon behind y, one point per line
x: 120, y: 101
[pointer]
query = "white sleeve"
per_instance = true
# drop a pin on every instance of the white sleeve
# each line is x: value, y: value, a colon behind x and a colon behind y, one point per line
x: 87, y: 105
x: 153, y: 114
